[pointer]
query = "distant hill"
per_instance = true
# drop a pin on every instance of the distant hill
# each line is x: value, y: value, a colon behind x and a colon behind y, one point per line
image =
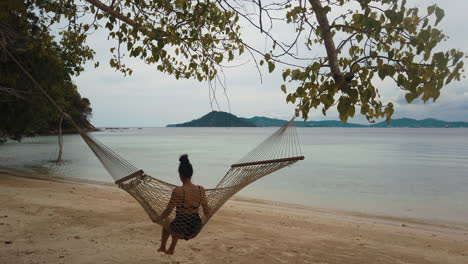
x: 223, y: 119
x: 216, y: 119
x: 261, y: 121
x: 429, y: 122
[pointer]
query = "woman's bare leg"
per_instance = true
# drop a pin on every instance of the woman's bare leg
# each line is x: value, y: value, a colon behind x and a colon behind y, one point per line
x: 164, y: 238
x: 175, y: 238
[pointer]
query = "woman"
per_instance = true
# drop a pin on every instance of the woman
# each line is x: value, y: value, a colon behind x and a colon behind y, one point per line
x: 187, y: 200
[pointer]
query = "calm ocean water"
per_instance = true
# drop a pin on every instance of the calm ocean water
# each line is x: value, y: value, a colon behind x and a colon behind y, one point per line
x: 416, y: 173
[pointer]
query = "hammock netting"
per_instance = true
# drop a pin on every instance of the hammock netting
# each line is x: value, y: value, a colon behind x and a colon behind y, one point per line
x: 279, y: 150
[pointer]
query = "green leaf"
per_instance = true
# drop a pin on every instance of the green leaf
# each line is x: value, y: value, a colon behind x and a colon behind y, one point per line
x: 316, y: 67
x: 353, y: 94
x: 283, y: 88
x: 426, y: 22
x: 440, y: 13
x: 218, y: 59
x: 161, y: 44
x: 324, y: 99
x: 343, y: 108
x: 359, y: 37
x: 286, y: 74
x: 291, y: 98
x: 295, y: 74
x: 351, y: 111
x: 110, y: 26
x: 430, y: 9
x: 271, y: 66
x: 450, y: 78
x: 300, y: 91
x: 410, y: 97
x: 382, y: 73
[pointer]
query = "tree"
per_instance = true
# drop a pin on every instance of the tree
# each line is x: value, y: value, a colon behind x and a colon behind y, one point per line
x: 24, y: 110
x: 184, y: 38
x: 381, y: 38
x: 193, y: 39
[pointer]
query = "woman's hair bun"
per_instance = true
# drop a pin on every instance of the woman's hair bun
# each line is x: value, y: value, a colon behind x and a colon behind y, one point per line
x: 185, y: 168
x: 184, y: 159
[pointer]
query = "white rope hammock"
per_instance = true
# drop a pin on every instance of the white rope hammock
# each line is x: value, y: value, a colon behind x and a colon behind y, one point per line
x: 279, y: 150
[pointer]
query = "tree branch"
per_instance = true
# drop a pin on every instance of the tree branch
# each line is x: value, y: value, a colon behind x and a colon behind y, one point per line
x: 110, y: 11
x: 10, y: 91
x: 387, y: 58
x: 328, y: 39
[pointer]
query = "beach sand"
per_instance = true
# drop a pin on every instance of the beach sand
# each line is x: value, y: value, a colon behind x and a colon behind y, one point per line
x: 44, y: 221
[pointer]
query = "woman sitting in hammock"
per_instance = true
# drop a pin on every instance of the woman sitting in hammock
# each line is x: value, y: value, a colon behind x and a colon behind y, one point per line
x: 187, y: 200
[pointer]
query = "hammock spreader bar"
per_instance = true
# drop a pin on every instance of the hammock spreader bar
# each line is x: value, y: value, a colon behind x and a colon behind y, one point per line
x: 129, y: 177
x: 266, y: 161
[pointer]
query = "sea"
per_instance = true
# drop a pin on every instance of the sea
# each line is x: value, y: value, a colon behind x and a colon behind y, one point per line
x: 417, y: 173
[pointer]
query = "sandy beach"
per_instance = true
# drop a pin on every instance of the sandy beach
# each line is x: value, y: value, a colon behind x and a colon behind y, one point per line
x: 56, y: 221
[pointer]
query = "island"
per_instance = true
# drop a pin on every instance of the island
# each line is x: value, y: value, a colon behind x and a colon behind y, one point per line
x: 216, y: 119
x: 224, y: 119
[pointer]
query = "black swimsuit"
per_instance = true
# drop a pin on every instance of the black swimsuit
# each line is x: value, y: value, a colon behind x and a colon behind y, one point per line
x: 188, y: 225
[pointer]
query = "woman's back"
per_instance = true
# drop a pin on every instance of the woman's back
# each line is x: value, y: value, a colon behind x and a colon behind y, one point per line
x: 189, y: 198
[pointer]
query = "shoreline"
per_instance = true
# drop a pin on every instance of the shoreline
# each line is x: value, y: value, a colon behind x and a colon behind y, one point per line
x: 392, y: 220
x: 60, y: 221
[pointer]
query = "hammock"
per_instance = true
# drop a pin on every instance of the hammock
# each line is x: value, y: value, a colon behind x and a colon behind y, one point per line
x: 279, y: 150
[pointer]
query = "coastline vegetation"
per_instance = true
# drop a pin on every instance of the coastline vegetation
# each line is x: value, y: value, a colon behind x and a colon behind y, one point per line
x: 24, y: 110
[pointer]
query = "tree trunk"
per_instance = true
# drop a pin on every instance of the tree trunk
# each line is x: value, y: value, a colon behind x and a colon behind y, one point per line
x: 332, y: 53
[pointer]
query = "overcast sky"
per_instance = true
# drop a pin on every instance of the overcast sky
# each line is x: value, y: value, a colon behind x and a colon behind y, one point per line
x: 149, y: 98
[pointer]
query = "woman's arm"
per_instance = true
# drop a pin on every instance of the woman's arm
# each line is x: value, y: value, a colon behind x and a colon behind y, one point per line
x: 170, y: 205
x: 204, y: 202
